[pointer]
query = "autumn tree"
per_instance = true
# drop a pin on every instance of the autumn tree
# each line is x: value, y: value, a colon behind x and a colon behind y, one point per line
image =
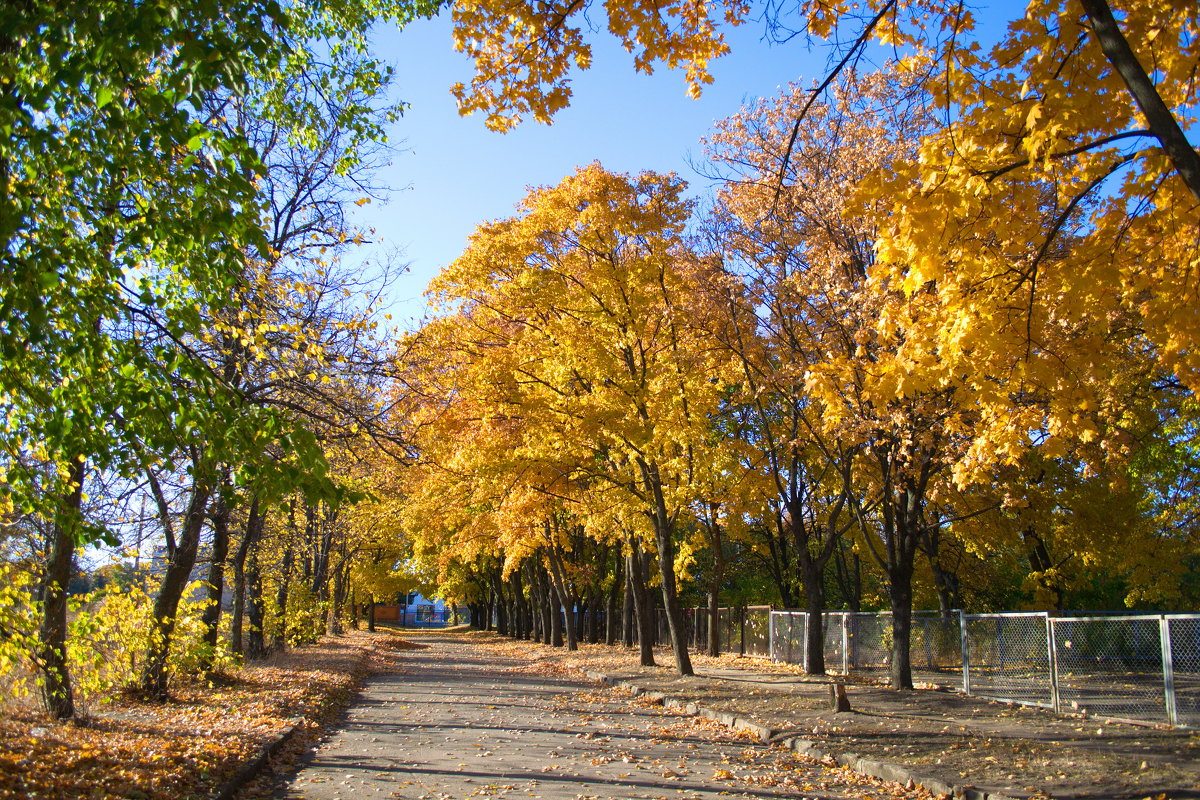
x: 800, y: 263
x: 1059, y: 188
x: 582, y: 309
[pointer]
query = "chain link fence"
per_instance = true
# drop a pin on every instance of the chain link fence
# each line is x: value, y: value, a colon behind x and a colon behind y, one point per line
x: 861, y: 642
x: 1007, y: 657
x: 1143, y: 668
x: 1182, y: 665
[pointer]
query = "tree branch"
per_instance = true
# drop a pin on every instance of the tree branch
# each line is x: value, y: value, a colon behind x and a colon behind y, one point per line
x: 1162, y: 121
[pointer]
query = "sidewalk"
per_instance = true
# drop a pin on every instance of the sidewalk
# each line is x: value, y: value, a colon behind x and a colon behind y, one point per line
x: 456, y: 719
x: 952, y: 740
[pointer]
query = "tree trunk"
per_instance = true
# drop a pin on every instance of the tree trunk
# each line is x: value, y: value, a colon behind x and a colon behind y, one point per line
x: 520, y: 605
x: 153, y: 682
x: 254, y: 524
x: 900, y: 572
x: 627, y: 611
x: 636, y: 569
x: 281, y: 596
x: 901, y: 603
x: 547, y: 608
x: 256, y: 642
x: 500, y: 602
x: 337, y: 599
x: 610, y: 611
x: 1162, y: 121
x: 714, y: 619
x: 666, y: 571
x: 814, y: 644
x: 57, y: 695
x: 556, y: 616
x: 211, y: 616
x: 565, y: 597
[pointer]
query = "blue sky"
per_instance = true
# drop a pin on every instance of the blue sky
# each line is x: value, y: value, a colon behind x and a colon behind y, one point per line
x: 450, y: 173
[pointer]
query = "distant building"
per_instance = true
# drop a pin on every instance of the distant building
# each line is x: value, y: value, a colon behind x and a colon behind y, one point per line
x: 413, y: 610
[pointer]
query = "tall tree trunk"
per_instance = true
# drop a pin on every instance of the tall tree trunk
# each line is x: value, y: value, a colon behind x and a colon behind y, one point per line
x: 153, y: 681
x: 611, y: 621
x: 547, y: 609
x: 520, y: 607
x: 901, y: 603
x: 636, y: 569
x: 715, y: 579
x: 556, y: 616
x: 254, y: 524
x: 627, y: 609
x: 906, y: 535
x: 500, y: 602
x: 281, y: 595
x: 714, y: 620
x: 57, y: 695
x: 537, y: 603
x: 664, y: 532
x: 256, y: 610
x: 565, y: 596
x: 814, y: 591
x: 211, y: 617
x: 337, y: 599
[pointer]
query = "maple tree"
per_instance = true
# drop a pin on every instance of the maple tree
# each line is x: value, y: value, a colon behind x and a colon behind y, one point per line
x: 1060, y: 181
x: 828, y: 441
x: 579, y: 374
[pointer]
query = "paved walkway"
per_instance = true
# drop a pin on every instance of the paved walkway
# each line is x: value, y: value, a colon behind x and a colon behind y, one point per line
x: 459, y: 723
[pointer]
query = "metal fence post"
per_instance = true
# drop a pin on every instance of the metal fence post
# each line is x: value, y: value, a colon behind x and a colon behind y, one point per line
x: 771, y: 635
x: 1052, y: 655
x: 1168, y: 668
x: 845, y: 644
x: 804, y: 641
x: 742, y: 633
x: 966, y: 652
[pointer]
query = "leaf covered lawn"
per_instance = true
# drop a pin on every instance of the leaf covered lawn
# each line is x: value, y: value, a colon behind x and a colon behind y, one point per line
x: 191, y: 746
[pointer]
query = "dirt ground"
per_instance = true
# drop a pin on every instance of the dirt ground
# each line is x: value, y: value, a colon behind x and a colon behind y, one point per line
x: 997, y: 747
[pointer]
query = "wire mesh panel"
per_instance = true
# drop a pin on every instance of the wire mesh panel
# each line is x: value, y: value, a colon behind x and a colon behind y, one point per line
x: 789, y: 629
x: 935, y: 648
x: 1008, y: 657
x: 835, y: 642
x: 1183, y: 638
x: 757, y: 621
x: 729, y: 621
x: 700, y: 628
x: 869, y: 642
x: 662, y: 630
x: 1110, y: 666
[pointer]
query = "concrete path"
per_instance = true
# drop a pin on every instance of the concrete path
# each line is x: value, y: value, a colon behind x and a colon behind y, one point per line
x: 461, y: 722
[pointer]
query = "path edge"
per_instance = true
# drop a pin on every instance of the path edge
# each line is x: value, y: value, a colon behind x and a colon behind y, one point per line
x: 870, y: 767
x: 250, y: 769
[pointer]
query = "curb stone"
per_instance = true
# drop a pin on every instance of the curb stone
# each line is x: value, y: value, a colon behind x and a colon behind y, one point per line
x: 869, y: 767
x: 251, y: 768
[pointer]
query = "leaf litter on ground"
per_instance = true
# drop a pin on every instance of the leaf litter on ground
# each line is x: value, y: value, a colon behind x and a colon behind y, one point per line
x: 191, y: 745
